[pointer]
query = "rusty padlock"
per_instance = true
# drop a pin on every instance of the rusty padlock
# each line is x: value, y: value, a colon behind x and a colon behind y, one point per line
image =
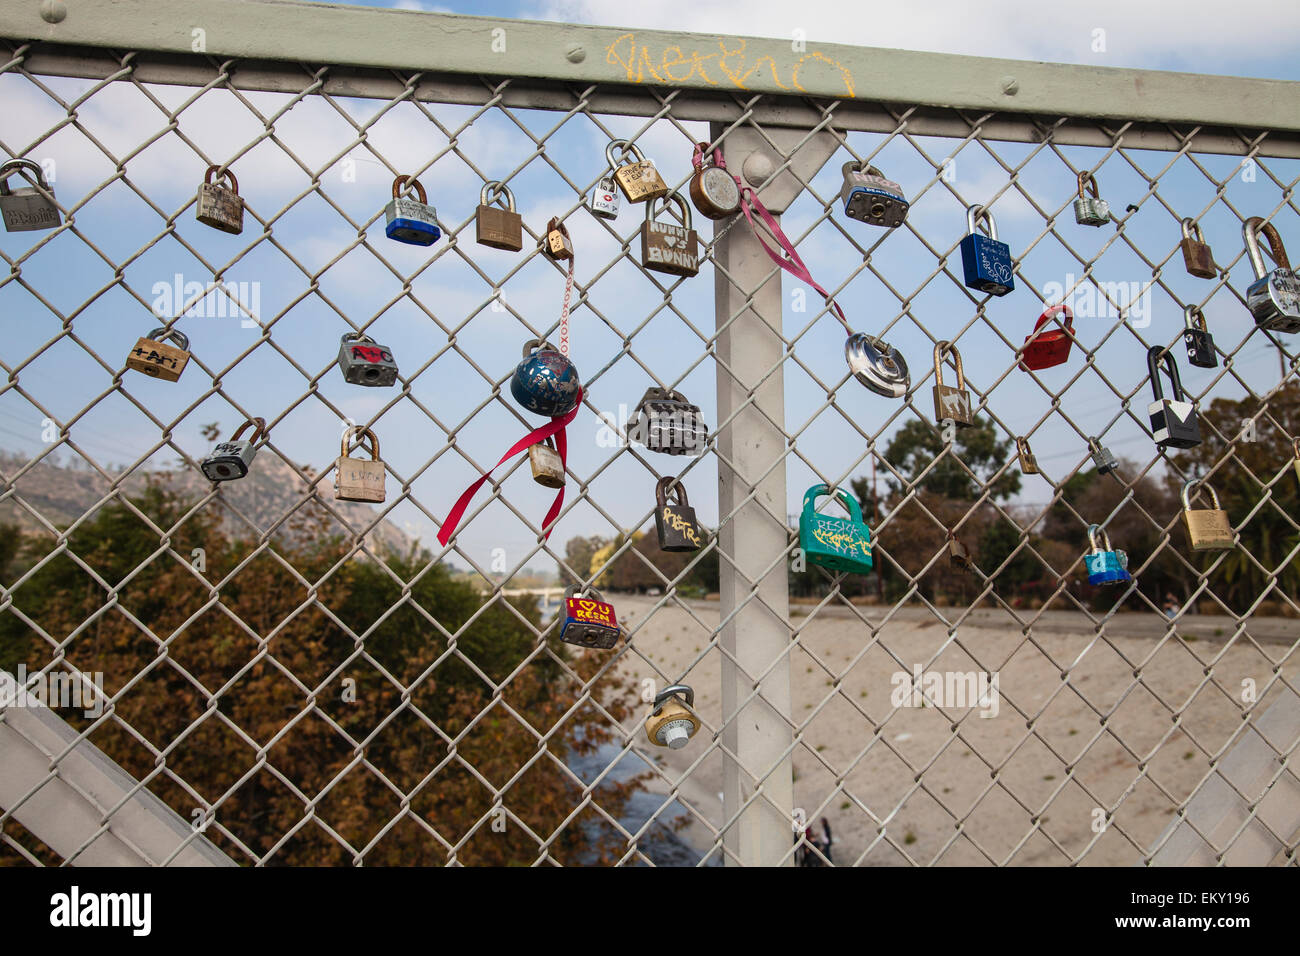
x: 156, y: 358
x: 668, y: 247
x: 1028, y: 463
x: 556, y: 244
x: 359, y: 479
x: 951, y: 403
x: 545, y: 461
x: 713, y: 190
x: 672, y: 723
x: 218, y: 206
x: 1196, y: 252
x: 494, y: 226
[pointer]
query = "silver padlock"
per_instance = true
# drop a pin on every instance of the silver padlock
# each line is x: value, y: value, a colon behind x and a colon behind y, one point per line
x: 604, y: 198
x: 869, y: 197
x: 364, y: 362
x: 1102, y: 457
x: 1090, y: 210
x: 230, y: 459
x: 218, y: 206
x: 27, y: 208
x: 1274, y: 297
x: 877, y: 365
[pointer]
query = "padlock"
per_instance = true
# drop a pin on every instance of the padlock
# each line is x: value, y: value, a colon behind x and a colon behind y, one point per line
x: 841, y: 544
x: 1104, y: 566
x: 877, y: 365
x: 640, y: 181
x: 406, y: 220
x: 1208, y: 529
x: 230, y: 459
x: 1196, y: 252
x: 714, y: 191
x: 668, y: 247
x: 1102, y: 457
x: 870, y: 197
x: 1028, y: 463
x: 27, y: 208
x: 1197, y: 338
x: 664, y: 421
x: 672, y: 723
x: 604, y: 198
x: 985, y: 261
x: 1090, y: 210
x: 588, y: 622
x: 545, y: 382
x: 156, y: 358
x: 958, y: 555
x: 556, y: 244
x: 218, y: 206
x: 676, y: 523
x: 1051, y: 347
x: 1274, y: 297
x: 365, y: 362
x: 359, y: 479
x: 494, y: 226
x: 1174, y: 421
x: 545, y: 461
x: 951, y: 404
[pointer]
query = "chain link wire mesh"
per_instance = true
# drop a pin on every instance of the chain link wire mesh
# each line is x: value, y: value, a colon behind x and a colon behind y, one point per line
x: 1104, y: 725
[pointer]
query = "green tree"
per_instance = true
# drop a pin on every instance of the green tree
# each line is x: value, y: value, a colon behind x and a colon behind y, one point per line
x: 961, y: 473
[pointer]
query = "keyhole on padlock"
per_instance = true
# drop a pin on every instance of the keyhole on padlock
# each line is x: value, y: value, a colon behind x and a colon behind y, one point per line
x: 371, y: 374
x: 878, y: 210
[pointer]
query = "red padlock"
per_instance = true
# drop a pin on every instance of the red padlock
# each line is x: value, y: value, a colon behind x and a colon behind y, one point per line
x: 1049, y: 347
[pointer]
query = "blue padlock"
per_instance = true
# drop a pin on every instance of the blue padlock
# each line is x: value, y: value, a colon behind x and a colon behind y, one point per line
x: 985, y: 260
x: 1104, y: 565
x: 545, y: 382
x: 408, y: 221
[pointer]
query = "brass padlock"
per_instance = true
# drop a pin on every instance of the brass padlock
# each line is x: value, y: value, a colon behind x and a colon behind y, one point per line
x: 676, y: 523
x: 219, y: 207
x: 547, y: 467
x: 672, y: 723
x: 1196, y: 252
x: 668, y: 247
x: 156, y: 358
x: 494, y: 226
x: 356, y: 479
x: 639, y: 181
x: 1028, y: 463
x: 556, y: 244
x: 1208, y: 530
x: 958, y: 556
x: 951, y: 404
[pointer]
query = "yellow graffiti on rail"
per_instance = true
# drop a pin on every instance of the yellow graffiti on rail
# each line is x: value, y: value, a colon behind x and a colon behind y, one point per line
x: 672, y: 65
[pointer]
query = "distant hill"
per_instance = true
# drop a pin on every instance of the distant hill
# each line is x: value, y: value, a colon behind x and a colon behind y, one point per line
x: 249, y: 506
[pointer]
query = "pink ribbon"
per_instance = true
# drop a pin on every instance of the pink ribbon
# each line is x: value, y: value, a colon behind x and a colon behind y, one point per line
x: 556, y: 428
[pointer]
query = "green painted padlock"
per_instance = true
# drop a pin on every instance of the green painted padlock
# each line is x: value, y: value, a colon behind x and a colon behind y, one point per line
x: 842, y: 544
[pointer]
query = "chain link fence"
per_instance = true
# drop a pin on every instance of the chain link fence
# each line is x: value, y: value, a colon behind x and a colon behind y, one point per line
x: 1003, y: 712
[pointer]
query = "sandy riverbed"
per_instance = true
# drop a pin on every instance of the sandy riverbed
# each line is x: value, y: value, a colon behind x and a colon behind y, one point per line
x: 957, y: 785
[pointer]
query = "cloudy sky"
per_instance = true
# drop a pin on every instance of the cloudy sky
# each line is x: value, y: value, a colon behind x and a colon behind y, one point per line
x: 364, y: 280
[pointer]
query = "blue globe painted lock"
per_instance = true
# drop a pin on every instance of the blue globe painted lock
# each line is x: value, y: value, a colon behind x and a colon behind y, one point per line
x: 545, y: 382
x: 985, y: 261
x: 841, y: 544
x: 1104, y: 565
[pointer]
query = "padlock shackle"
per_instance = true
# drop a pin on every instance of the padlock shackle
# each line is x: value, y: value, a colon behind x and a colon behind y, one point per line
x: 1250, y: 230
x: 162, y: 333
x: 974, y: 214
x: 259, y: 429
x: 1086, y: 178
x: 572, y: 591
x: 1158, y: 355
x: 627, y: 148
x: 357, y: 337
x: 1050, y: 313
x: 1194, y: 318
x: 497, y: 189
x: 361, y: 432
x: 855, y: 166
x: 1095, y: 531
x: 542, y: 346
x: 414, y: 184
x: 12, y: 166
x: 678, y: 491
x: 1205, y: 486
x: 1094, y: 444
x: 940, y: 348
x: 555, y: 224
x: 714, y: 156
x: 1022, y: 445
x: 663, y: 204
x: 225, y: 174
x: 824, y: 490
x: 667, y: 693
x: 1192, y: 230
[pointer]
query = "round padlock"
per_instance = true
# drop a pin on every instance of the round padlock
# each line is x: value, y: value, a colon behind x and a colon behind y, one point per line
x: 545, y: 382
x: 877, y: 365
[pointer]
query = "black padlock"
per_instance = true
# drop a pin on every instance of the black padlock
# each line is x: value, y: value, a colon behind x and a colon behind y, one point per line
x: 678, y: 529
x: 666, y: 422
x: 1199, y: 341
x: 1174, y: 422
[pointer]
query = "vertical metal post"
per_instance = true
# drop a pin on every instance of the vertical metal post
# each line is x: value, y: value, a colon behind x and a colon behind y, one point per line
x: 757, y: 730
